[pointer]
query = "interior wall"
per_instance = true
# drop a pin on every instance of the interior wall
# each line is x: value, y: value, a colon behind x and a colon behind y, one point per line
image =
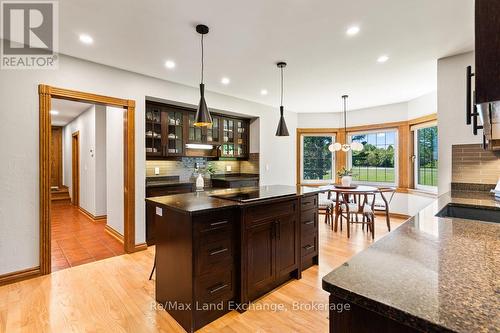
x: 85, y: 125
x: 100, y: 160
x: 19, y: 198
x: 114, y: 168
x: 452, y: 128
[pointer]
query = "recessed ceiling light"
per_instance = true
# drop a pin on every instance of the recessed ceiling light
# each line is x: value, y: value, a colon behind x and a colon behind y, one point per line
x: 54, y: 112
x: 86, y: 39
x: 382, y: 59
x: 352, y: 30
x: 225, y: 80
x: 263, y: 92
x: 169, y: 64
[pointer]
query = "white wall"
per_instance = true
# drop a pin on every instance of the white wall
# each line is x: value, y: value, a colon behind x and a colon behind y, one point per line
x: 114, y: 168
x: 85, y: 125
x: 422, y: 106
x: 19, y: 205
x: 100, y: 160
x: 452, y: 128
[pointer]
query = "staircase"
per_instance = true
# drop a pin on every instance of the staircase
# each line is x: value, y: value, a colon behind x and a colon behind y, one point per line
x: 60, y: 195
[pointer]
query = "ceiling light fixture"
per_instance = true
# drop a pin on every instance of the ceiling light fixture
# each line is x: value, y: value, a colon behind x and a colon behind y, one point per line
x: 382, y: 59
x: 345, y: 147
x: 169, y: 64
x: 203, y: 117
x: 225, y: 80
x: 54, y: 112
x: 282, y: 130
x: 263, y: 92
x: 86, y: 39
x: 352, y: 30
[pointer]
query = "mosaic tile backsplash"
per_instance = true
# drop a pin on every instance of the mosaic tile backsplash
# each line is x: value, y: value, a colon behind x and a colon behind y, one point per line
x: 472, y: 164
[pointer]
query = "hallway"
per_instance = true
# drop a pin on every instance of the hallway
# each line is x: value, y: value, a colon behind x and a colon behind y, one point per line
x: 77, y: 240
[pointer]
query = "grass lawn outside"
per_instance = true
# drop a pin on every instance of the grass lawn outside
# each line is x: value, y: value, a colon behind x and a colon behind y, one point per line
x: 374, y: 175
x: 427, y: 176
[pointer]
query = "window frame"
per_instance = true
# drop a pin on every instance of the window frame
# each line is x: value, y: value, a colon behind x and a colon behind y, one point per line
x: 301, y: 174
x: 415, y: 157
x: 396, y: 155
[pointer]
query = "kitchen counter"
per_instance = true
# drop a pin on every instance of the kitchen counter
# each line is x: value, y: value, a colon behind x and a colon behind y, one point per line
x: 432, y: 274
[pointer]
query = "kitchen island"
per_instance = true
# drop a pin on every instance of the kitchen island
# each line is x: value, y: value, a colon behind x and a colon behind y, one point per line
x: 432, y: 274
x: 217, y: 251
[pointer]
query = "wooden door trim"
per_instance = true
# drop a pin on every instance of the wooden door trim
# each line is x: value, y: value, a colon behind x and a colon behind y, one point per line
x: 75, y: 168
x: 46, y: 93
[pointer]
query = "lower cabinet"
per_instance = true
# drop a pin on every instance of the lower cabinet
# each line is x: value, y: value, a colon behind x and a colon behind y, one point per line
x: 309, y: 251
x: 270, y: 251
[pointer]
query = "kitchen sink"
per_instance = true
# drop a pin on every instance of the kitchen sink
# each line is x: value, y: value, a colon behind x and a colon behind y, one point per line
x: 486, y: 214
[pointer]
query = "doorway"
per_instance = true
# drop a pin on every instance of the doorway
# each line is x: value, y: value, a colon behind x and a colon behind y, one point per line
x: 46, y: 93
x: 75, y: 169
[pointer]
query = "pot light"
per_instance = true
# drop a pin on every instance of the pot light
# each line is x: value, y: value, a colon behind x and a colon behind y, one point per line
x: 263, y: 92
x: 86, y: 39
x: 352, y: 30
x: 199, y: 146
x: 169, y: 64
x: 54, y: 112
x: 382, y: 59
x: 225, y: 80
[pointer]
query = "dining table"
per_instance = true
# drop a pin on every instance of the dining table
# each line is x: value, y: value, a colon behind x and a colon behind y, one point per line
x: 361, y: 190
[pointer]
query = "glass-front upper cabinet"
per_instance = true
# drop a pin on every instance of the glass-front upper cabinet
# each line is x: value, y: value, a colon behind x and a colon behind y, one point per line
x: 173, y: 123
x: 241, y: 139
x: 213, y: 131
x: 153, y: 131
x: 195, y: 134
x: 227, y: 137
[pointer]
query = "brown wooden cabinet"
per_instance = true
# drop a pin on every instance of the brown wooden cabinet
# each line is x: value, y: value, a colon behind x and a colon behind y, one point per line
x: 169, y: 128
x: 309, y: 231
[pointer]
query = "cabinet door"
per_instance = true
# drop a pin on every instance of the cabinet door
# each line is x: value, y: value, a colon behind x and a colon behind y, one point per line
x: 261, y: 261
x: 227, y: 137
x: 195, y: 134
x: 153, y: 131
x: 286, y: 244
x: 241, y: 141
x: 172, y: 122
x: 213, y: 131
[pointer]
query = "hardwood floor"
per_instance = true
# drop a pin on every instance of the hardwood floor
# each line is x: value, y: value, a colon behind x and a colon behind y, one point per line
x: 77, y: 240
x: 114, y: 295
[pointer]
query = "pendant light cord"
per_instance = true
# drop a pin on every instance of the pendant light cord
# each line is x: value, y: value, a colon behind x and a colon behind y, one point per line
x: 202, y: 63
x: 345, y: 119
x: 281, y: 86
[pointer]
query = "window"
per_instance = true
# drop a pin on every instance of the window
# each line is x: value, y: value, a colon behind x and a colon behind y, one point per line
x: 317, y: 163
x: 376, y: 163
x: 426, y: 157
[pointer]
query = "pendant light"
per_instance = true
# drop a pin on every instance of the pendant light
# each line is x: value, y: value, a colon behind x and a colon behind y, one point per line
x: 203, y: 117
x: 282, y: 130
x: 354, y: 146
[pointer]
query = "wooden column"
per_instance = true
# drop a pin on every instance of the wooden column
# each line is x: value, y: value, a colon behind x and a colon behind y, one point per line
x: 340, y: 156
x: 404, y: 157
x: 129, y: 176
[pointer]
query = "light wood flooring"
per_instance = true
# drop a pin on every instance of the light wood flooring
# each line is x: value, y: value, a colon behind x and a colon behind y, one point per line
x: 114, y: 295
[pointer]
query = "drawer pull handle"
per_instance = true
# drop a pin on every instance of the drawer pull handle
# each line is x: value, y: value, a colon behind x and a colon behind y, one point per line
x: 218, y: 223
x: 308, y: 247
x: 219, y: 288
x: 309, y: 222
x: 218, y: 251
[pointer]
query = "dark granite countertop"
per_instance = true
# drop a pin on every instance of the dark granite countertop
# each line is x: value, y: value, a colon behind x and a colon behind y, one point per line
x: 235, y: 177
x: 163, y: 181
x: 434, y: 274
x: 197, y: 202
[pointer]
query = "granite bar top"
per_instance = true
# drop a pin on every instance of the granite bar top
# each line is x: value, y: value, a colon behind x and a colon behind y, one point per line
x: 433, y: 274
x: 164, y: 181
x: 236, y: 177
x: 198, y: 202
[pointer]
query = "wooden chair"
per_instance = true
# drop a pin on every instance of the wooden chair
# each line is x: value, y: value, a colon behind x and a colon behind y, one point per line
x: 386, y: 194
x: 325, y: 205
x: 353, y: 204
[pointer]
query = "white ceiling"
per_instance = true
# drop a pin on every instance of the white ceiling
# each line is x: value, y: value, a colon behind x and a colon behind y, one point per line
x: 247, y: 37
x: 68, y: 110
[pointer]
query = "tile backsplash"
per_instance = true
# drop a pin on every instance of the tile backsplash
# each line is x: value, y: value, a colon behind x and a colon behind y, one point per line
x: 472, y: 164
x: 184, y: 168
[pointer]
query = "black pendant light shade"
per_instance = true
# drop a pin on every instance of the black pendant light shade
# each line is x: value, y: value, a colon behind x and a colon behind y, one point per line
x: 282, y: 130
x: 203, y: 117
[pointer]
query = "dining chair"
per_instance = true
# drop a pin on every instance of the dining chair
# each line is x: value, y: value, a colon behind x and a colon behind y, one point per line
x: 386, y: 195
x: 353, y: 204
x: 326, y: 204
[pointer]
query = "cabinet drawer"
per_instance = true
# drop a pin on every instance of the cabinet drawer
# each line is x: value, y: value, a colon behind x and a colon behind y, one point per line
x: 215, y: 287
x: 309, y: 245
x: 309, y: 202
x: 309, y: 221
x: 215, y: 255
x: 260, y: 213
x: 214, y: 227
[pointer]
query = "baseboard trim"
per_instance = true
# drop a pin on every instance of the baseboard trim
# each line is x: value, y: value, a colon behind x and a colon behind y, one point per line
x: 114, y: 233
x: 91, y: 216
x: 140, y: 247
x: 20, y: 275
x: 395, y: 215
